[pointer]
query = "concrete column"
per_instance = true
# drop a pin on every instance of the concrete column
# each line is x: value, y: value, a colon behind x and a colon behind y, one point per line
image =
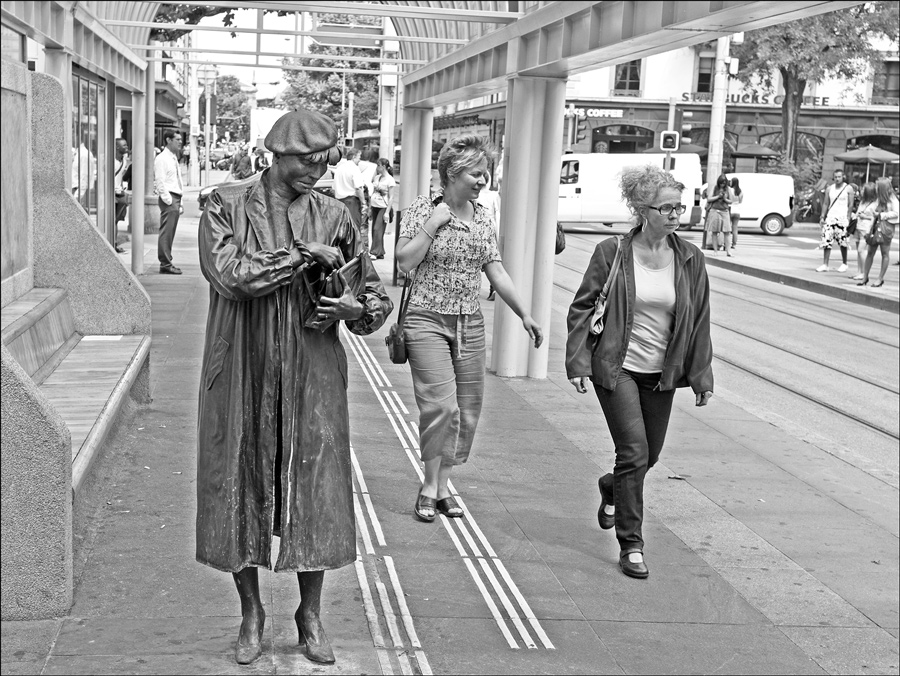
x: 518, y: 218
x: 388, y: 121
x: 426, y: 133
x: 59, y: 65
x: 151, y: 202
x: 138, y: 179
x: 548, y: 203
x: 409, y: 183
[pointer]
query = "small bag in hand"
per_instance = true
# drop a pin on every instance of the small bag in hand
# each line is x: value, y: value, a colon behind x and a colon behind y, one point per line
x: 395, y: 339
x: 875, y: 236
x: 353, y: 274
x: 600, y: 304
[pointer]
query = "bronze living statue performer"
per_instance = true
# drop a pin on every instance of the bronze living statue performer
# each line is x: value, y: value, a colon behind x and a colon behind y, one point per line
x: 273, y: 455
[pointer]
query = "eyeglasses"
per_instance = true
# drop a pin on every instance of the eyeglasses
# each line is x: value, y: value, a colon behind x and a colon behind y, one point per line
x: 667, y: 209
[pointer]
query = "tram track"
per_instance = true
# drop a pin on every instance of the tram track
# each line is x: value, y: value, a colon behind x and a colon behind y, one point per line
x: 794, y: 391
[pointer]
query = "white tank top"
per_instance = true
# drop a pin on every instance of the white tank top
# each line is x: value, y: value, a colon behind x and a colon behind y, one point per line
x: 654, y: 318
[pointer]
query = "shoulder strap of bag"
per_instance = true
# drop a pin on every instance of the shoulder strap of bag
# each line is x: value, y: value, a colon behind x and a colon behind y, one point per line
x: 614, y: 268
x: 407, y: 285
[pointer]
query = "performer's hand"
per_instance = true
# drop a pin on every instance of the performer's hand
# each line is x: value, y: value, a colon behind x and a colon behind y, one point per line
x: 329, y: 257
x: 345, y: 307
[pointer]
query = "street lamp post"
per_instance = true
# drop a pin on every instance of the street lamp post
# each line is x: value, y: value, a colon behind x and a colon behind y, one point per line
x: 208, y: 75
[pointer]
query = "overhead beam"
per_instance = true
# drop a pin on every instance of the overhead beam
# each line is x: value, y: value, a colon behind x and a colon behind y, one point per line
x: 320, y: 57
x: 564, y: 38
x: 278, y: 31
x: 373, y: 9
x: 316, y: 69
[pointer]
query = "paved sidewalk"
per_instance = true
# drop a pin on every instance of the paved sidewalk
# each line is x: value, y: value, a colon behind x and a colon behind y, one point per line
x: 767, y: 555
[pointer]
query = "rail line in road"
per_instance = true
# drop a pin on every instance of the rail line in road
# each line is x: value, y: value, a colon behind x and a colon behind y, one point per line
x: 841, y: 409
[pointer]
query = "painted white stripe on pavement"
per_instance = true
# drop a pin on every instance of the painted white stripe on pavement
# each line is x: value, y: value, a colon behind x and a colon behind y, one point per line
x: 424, y: 666
x: 401, y: 603
x: 369, y: 605
x: 491, y: 605
x: 504, y: 599
x: 361, y: 524
x: 523, y: 604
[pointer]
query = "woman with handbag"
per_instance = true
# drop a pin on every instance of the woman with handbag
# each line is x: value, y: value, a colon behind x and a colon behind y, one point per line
x: 382, y: 195
x: 451, y: 239
x: 718, y: 218
x: 865, y: 217
x: 887, y: 214
x: 656, y: 338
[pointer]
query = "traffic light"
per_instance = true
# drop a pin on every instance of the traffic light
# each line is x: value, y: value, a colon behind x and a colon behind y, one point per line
x: 682, y: 127
x: 581, y: 131
x: 669, y: 141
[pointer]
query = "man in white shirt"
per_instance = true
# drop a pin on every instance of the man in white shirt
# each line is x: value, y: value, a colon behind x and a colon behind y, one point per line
x: 839, y: 199
x: 348, y: 188
x: 167, y: 175
x: 121, y: 166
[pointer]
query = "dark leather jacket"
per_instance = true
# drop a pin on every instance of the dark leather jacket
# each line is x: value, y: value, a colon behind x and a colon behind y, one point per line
x: 688, y: 359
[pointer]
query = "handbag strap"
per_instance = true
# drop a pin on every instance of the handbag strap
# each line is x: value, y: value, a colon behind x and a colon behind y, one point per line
x: 614, y: 268
x: 836, y: 198
x: 405, y: 297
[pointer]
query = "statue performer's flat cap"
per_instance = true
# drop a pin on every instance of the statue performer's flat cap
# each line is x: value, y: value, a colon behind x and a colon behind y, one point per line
x: 300, y: 133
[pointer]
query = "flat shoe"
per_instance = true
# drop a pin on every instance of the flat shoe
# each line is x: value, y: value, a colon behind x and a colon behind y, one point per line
x: 449, y: 507
x: 424, y: 502
x: 636, y: 570
x: 606, y: 521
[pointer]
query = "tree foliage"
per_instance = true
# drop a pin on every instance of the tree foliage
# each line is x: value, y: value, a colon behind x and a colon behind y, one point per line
x: 233, y: 113
x: 325, y: 91
x: 834, y: 45
x: 172, y: 13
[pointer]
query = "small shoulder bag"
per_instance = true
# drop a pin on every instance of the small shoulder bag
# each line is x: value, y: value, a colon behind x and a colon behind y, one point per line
x: 395, y: 339
x: 600, y: 304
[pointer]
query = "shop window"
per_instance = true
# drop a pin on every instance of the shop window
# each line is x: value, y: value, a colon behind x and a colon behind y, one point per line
x: 700, y: 137
x: 89, y: 147
x: 886, y: 85
x: 621, y: 138
x: 569, y: 173
x: 13, y: 45
x: 809, y: 147
x: 706, y: 71
x: 856, y: 172
x: 628, y: 79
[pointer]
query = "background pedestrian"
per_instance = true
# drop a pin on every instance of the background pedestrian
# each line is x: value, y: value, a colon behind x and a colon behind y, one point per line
x: 838, y: 208
x: 349, y: 189
x: 887, y: 213
x: 865, y: 217
x: 167, y: 177
x: 451, y: 240
x: 737, y: 197
x: 718, y: 219
x: 383, y: 186
x: 650, y: 345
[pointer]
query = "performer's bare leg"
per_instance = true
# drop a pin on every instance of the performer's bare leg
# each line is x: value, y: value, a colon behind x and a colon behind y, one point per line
x: 249, y: 644
x: 309, y: 626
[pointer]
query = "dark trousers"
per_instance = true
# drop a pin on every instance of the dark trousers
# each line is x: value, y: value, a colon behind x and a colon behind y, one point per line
x: 168, y: 223
x: 378, y: 227
x: 638, y: 417
x: 356, y: 216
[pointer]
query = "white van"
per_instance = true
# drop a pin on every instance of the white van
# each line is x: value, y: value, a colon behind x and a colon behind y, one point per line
x: 589, y: 187
x: 768, y: 201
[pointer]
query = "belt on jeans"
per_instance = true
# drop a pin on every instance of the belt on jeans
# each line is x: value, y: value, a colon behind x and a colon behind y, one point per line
x: 175, y: 194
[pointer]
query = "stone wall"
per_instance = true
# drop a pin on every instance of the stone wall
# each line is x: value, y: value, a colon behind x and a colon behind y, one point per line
x: 36, y: 468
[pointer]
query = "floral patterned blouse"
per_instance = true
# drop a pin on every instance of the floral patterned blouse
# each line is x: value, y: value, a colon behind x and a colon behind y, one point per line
x: 448, y: 279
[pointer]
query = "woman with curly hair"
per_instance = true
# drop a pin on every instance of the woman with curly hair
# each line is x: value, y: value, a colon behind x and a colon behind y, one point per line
x: 656, y: 338
x: 451, y: 239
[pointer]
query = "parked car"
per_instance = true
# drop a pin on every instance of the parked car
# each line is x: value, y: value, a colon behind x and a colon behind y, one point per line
x: 324, y: 185
x: 768, y: 201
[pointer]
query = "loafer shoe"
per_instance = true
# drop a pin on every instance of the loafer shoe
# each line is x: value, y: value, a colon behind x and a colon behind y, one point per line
x: 636, y: 570
x: 605, y: 520
x: 171, y: 270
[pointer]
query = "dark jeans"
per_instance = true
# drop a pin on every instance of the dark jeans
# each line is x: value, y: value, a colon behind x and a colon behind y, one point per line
x: 356, y: 217
x: 638, y: 417
x: 378, y: 227
x: 168, y: 223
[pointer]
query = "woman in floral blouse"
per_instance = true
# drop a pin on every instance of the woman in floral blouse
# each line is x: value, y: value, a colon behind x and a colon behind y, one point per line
x: 451, y: 239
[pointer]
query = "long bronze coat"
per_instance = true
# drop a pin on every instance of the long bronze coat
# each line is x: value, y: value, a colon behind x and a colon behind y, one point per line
x: 271, y: 386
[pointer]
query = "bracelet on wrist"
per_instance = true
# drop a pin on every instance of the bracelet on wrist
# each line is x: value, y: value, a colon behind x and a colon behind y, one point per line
x: 430, y: 236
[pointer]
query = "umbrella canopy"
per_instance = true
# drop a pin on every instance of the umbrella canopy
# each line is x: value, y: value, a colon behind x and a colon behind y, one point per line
x: 755, y: 150
x: 868, y: 154
x: 682, y: 149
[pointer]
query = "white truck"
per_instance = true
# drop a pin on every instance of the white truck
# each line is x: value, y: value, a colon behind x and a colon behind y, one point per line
x: 589, y: 192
